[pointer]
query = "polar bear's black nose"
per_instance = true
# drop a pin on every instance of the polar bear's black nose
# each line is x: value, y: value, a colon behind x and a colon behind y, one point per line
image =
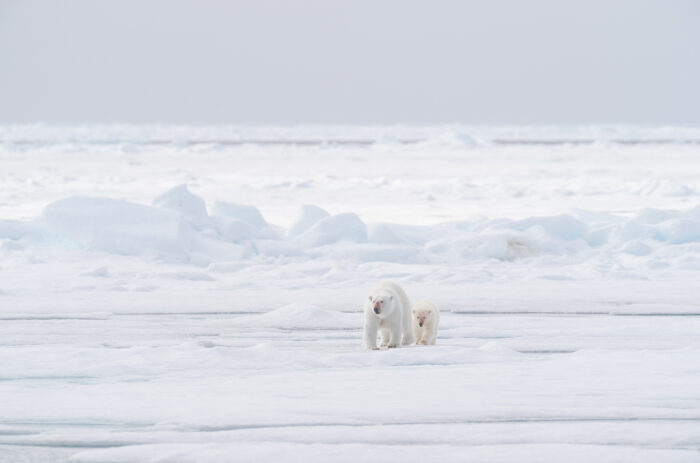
x: 420, y: 323
x: 376, y: 310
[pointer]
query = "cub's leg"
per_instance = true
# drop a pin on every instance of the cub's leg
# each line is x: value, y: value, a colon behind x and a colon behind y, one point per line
x: 432, y: 336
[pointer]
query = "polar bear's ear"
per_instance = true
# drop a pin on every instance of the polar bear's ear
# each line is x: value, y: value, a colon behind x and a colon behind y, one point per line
x: 370, y: 298
x: 391, y: 298
x: 414, y: 311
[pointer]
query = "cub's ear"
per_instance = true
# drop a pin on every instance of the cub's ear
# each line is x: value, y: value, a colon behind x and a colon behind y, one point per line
x: 413, y: 311
x: 391, y: 298
x: 370, y: 298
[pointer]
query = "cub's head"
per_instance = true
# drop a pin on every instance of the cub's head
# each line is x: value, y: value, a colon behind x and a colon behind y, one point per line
x: 421, y: 317
x: 380, y: 303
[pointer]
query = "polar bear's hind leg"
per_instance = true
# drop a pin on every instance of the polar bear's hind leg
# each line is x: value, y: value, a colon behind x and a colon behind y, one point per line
x: 386, y: 337
x: 395, y: 337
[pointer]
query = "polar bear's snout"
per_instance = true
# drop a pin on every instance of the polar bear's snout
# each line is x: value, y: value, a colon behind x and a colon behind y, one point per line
x: 377, y: 307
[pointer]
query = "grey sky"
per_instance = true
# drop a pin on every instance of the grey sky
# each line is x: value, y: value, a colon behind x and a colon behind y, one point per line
x: 360, y: 61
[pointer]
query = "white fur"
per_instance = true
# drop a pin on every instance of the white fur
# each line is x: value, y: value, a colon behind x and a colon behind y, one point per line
x: 427, y: 311
x: 394, y: 319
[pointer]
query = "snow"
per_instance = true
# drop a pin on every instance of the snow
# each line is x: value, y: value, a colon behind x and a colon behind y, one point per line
x: 308, y: 216
x: 195, y: 293
x: 247, y: 214
x: 192, y: 207
x: 115, y: 226
x: 330, y: 230
x: 301, y: 317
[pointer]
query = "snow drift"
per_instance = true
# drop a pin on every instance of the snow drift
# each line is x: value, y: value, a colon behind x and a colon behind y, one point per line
x: 181, y: 228
x: 118, y: 226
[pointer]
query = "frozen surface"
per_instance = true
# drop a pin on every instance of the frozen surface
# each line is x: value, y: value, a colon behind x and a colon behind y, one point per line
x: 195, y: 294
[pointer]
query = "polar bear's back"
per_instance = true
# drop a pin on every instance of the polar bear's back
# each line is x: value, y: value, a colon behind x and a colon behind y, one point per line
x: 398, y: 290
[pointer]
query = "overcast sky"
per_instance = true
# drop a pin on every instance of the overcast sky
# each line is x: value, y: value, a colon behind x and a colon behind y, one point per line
x: 354, y: 61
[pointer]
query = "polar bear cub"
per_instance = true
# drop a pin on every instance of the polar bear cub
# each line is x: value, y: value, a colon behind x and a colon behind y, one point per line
x: 388, y: 311
x: 426, y: 318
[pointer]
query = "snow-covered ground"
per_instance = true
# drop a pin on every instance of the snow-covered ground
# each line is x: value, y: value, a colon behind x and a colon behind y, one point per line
x: 195, y: 294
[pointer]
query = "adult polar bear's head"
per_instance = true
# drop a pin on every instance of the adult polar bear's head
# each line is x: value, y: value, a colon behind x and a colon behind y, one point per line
x: 381, y: 303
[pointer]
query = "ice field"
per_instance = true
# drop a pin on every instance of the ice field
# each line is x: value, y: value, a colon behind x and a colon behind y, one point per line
x: 172, y: 294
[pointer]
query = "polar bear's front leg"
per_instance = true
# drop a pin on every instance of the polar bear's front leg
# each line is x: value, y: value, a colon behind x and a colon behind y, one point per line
x: 370, y: 334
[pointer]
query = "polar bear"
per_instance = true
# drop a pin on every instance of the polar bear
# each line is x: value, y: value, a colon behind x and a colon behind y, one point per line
x: 426, y: 318
x: 388, y: 310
